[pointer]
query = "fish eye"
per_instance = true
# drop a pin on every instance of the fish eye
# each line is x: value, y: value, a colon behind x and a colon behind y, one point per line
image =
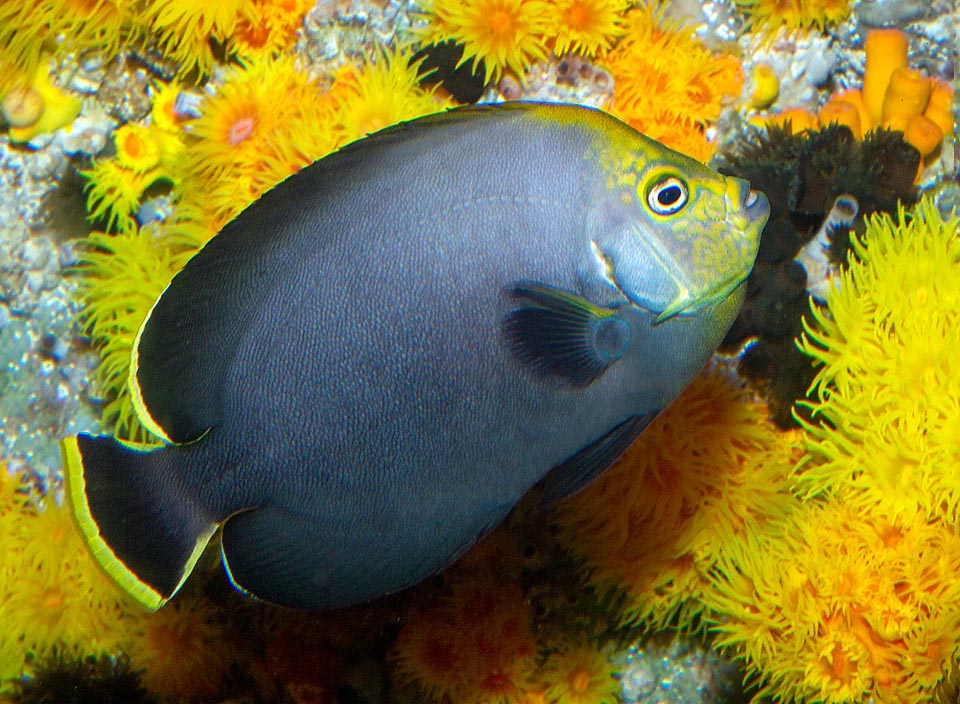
x: 667, y: 196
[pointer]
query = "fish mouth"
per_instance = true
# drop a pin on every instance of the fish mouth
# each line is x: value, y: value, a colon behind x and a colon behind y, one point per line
x: 753, y: 204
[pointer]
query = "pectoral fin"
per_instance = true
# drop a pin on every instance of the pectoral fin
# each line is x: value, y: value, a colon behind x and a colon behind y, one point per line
x: 560, y: 334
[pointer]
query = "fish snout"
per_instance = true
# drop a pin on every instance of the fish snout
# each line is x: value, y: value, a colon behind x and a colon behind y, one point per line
x: 746, y: 208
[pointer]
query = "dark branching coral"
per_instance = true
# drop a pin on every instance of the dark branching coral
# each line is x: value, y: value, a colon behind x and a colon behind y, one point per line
x: 62, y: 679
x: 442, y: 63
x: 802, y: 175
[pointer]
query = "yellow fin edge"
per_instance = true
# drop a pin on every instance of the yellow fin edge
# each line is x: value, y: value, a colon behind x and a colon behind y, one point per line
x: 133, y: 384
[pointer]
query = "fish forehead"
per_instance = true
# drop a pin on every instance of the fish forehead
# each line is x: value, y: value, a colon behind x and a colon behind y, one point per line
x: 711, y: 245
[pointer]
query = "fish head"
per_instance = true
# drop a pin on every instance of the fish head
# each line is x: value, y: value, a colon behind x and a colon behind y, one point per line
x: 669, y: 234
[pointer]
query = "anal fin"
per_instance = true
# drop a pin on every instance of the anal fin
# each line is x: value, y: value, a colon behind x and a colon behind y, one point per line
x: 577, y: 472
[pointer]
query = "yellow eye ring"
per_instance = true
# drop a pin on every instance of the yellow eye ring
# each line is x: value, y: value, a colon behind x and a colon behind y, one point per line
x: 668, y: 196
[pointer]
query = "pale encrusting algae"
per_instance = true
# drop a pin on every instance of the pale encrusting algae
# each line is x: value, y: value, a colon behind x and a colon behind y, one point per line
x: 823, y: 559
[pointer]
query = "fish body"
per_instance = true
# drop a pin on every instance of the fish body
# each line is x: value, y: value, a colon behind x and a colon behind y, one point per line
x: 362, y: 373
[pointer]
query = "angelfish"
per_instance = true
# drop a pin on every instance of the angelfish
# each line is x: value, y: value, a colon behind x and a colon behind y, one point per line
x: 362, y: 373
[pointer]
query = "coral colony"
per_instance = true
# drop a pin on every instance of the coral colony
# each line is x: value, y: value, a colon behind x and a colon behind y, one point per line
x: 823, y: 558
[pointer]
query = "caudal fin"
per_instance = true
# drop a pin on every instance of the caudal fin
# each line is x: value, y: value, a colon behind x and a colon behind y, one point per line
x: 142, y: 532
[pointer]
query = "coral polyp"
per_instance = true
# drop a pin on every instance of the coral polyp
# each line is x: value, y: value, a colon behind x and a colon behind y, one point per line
x: 884, y: 408
x: 503, y: 34
x: 382, y: 91
x: 55, y: 598
x: 586, y: 27
x: 657, y: 519
x: 840, y: 605
x: 245, y: 141
x: 794, y: 15
x: 667, y: 83
x: 120, y: 277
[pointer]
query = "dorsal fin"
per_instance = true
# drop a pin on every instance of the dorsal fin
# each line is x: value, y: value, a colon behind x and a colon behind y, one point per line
x: 184, y: 349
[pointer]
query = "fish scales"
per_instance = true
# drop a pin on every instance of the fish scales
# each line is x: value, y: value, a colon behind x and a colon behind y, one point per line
x: 366, y: 370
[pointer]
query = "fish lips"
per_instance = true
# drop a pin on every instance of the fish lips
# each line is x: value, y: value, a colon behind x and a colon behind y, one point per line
x: 755, y: 207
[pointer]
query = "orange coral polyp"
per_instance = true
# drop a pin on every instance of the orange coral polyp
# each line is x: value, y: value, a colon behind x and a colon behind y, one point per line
x: 770, y: 15
x: 137, y: 148
x: 505, y: 34
x: 586, y: 26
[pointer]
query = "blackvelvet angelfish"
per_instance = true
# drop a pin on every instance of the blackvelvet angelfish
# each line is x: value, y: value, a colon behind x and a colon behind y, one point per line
x: 361, y: 374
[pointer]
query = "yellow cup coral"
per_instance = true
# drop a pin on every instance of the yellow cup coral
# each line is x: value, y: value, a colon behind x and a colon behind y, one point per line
x: 840, y: 606
x: 137, y: 148
x: 585, y: 26
x: 476, y: 645
x: 504, y: 34
x: 55, y: 597
x: 581, y: 673
x: 246, y: 140
x: 120, y: 278
x: 889, y: 379
x: 708, y: 470
x: 668, y: 84
x: 182, y: 649
x: 770, y: 15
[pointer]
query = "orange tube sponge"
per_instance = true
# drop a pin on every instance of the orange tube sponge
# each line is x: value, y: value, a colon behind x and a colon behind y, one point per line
x: 886, y: 52
x: 940, y: 106
x: 905, y: 98
x: 924, y: 134
x: 842, y: 113
x: 854, y: 96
